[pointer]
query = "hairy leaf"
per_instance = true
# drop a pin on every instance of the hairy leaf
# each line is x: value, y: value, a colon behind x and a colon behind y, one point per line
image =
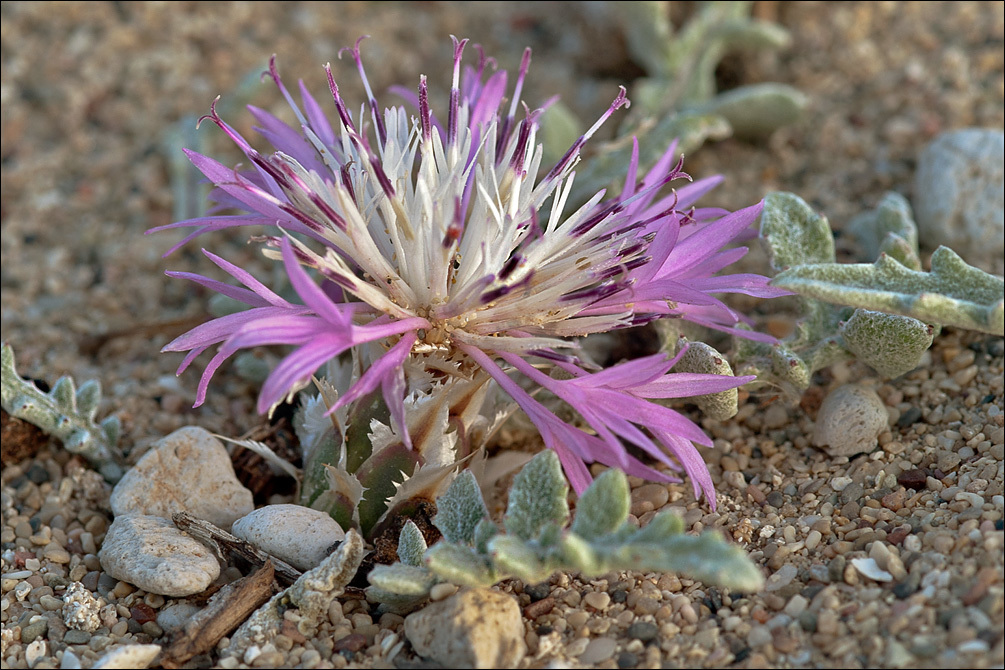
x: 538, y: 497
x: 411, y: 544
x: 952, y: 294
x: 460, y: 509
x: 795, y: 234
x: 603, y: 507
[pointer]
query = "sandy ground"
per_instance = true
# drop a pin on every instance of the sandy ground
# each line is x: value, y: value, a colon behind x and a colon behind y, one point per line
x: 93, y: 98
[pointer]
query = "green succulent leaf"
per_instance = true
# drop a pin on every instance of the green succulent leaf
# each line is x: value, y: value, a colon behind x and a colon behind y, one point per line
x: 707, y: 557
x: 703, y: 359
x: 484, y: 532
x: 379, y: 475
x: 889, y: 229
x: 659, y: 529
x: 402, y: 579
x: 756, y: 111
x: 460, y: 565
x: 515, y: 557
x: 578, y: 554
x: 537, y: 543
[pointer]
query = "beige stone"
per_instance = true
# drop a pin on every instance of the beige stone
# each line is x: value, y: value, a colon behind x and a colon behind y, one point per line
x: 474, y: 628
x: 151, y: 553
x: 190, y: 471
x: 299, y: 535
x: 850, y: 420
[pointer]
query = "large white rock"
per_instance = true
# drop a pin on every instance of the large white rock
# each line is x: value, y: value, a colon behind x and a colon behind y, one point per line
x: 474, y: 628
x: 850, y: 420
x: 959, y: 195
x: 299, y: 535
x: 190, y: 471
x: 152, y: 554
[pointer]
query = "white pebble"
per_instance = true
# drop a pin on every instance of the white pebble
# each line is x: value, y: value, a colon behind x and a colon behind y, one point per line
x: 973, y: 647
x: 850, y: 421
x: 442, y: 592
x: 782, y: 578
x: 153, y: 554
x: 973, y: 499
x: 867, y: 567
x: 796, y: 606
x: 840, y: 483
x: 81, y: 610
x: 912, y: 543
x: 959, y: 194
x: 35, y: 652
x: 758, y: 636
x: 299, y: 535
x: 129, y: 656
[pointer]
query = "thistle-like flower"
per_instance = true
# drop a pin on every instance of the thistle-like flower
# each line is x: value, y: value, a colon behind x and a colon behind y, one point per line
x: 435, y: 240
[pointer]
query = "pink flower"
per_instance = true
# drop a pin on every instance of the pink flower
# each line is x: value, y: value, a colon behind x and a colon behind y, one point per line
x: 431, y: 237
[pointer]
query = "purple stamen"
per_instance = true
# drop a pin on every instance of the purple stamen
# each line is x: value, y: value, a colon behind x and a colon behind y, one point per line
x: 619, y: 101
x: 371, y: 100
x: 424, y: 115
x: 510, y: 265
x: 343, y: 113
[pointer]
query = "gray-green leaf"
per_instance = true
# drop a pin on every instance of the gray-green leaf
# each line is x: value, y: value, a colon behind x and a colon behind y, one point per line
x: 460, y: 509
x: 538, y: 497
x: 603, y: 507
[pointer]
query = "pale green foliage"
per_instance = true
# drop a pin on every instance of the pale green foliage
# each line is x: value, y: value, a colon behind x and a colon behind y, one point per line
x: 537, y: 499
x: 67, y: 413
x: 953, y: 293
x: 793, y: 233
x: 455, y: 516
x: 539, y: 540
x: 888, y: 343
x: 703, y: 359
x: 678, y: 100
x: 882, y: 313
x: 356, y: 465
x: 411, y: 544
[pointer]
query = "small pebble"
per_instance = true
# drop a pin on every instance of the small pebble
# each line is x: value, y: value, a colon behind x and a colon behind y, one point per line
x: 598, y: 600
x: 538, y: 591
x: 643, y: 630
x: 74, y: 636
x: 782, y: 578
x: 598, y: 650
x: 442, y: 591
x: 627, y: 659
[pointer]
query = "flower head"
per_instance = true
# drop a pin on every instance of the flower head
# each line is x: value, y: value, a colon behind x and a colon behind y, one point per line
x: 434, y: 238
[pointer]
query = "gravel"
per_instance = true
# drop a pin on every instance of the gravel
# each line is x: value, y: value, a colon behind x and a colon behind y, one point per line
x: 85, y: 174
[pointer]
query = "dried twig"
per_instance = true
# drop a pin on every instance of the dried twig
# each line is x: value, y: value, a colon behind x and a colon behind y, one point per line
x: 226, y: 610
x: 226, y: 544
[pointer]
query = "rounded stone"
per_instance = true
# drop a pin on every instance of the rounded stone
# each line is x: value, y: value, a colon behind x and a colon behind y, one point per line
x: 959, y: 195
x: 299, y: 535
x: 850, y: 421
x: 187, y: 471
x: 152, y: 554
x: 475, y: 628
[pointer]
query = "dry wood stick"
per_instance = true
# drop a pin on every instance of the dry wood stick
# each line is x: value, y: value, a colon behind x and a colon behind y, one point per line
x: 227, y: 609
x: 226, y: 544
